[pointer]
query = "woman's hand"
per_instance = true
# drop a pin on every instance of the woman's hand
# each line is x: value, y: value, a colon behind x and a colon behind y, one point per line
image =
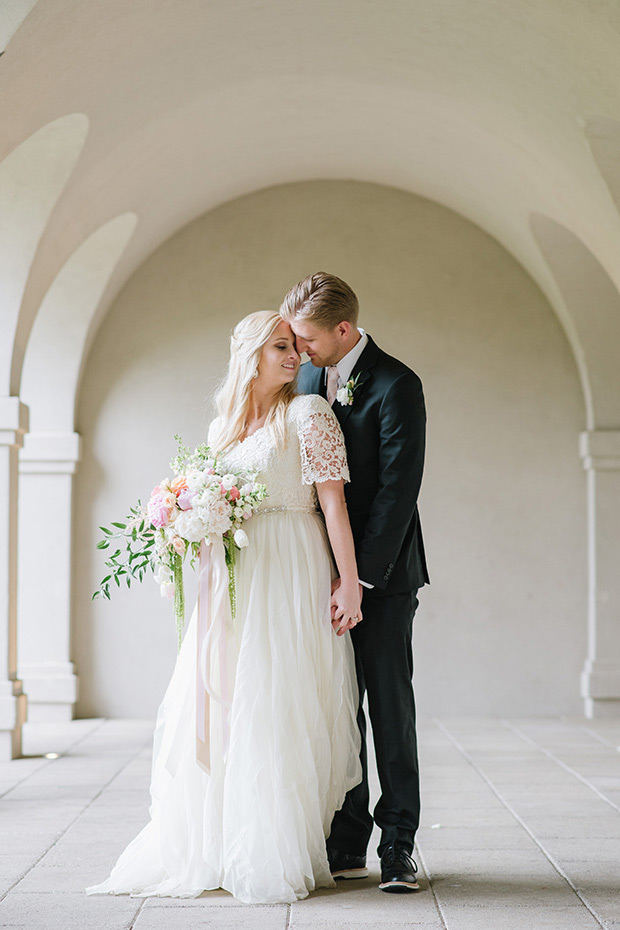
x: 346, y: 607
x: 346, y: 592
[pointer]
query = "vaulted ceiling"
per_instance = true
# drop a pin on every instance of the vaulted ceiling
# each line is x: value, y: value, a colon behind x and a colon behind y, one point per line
x: 506, y: 111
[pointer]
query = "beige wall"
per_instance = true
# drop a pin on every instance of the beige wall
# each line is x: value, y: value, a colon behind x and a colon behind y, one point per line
x: 501, y: 630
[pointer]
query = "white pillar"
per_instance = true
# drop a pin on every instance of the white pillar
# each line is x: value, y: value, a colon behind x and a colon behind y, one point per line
x: 13, y: 425
x: 600, y: 679
x: 47, y: 464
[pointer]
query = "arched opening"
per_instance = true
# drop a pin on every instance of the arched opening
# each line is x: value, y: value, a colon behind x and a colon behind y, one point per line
x: 52, y: 366
x: 594, y: 305
x: 502, y: 501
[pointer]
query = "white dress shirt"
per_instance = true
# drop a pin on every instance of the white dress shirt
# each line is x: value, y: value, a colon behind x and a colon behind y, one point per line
x: 345, y: 366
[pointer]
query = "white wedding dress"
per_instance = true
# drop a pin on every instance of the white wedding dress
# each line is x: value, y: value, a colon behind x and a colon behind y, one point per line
x: 256, y: 825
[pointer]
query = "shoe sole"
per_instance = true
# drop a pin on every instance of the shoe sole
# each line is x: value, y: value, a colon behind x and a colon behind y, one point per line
x: 399, y: 887
x: 351, y: 873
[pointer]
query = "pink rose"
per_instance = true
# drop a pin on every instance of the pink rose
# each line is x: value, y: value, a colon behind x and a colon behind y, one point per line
x: 160, y: 507
x: 185, y: 499
x: 234, y: 494
x: 178, y: 545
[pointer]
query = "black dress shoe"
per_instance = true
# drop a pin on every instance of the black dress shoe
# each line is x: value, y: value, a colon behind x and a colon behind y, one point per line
x: 343, y: 865
x: 398, y: 870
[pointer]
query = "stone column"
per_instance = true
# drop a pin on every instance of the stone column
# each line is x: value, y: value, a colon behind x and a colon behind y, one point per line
x: 600, y: 679
x: 47, y: 464
x: 13, y: 425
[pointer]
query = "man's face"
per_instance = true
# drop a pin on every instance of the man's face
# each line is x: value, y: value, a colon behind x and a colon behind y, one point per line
x: 322, y: 346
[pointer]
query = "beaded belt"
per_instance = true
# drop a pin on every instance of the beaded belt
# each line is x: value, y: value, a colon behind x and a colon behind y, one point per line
x: 283, y: 509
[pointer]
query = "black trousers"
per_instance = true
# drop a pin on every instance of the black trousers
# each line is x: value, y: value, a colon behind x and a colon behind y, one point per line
x: 384, y: 664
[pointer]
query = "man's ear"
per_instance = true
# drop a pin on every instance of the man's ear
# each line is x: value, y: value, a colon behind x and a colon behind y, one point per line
x: 344, y: 328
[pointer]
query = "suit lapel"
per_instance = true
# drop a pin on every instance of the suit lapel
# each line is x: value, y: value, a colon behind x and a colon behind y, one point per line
x: 363, y: 368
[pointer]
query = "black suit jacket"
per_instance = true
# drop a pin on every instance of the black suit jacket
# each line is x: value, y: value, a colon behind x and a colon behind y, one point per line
x: 385, y: 432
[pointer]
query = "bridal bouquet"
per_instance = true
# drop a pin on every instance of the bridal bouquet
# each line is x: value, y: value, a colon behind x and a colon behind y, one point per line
x: 201, y: 503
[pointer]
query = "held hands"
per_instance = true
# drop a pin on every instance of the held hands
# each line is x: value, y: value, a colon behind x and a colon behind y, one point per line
x: 345, y: 606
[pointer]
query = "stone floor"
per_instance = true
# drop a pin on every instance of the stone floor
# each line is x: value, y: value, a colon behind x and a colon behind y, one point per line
x: 520, y: 830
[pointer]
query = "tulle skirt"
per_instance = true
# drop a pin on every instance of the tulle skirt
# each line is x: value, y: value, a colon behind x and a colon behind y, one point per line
x: 256, y: 825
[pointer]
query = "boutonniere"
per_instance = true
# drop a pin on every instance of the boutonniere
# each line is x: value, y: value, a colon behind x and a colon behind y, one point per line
x: 345, y: 395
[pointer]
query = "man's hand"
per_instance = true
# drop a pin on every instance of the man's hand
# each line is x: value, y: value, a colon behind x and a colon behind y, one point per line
x: 342, y: 619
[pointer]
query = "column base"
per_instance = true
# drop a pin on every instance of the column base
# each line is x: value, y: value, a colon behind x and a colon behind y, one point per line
x: 600, y: 688
x: 13, y: 714
x: 600, y: 710
x: 52, y: 690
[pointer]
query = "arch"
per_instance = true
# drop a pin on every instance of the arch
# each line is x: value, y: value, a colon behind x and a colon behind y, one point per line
x: 13, y: 13
x: 593, y: 304
x: 32, y: 179
x: 52, y: 364
x: 603, y: 135
x: 487, y: 341
x: 62, y: 329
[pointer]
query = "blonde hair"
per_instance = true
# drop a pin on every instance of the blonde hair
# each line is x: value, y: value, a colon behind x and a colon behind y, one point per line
x: 233, y: 396
x: 321, y: 299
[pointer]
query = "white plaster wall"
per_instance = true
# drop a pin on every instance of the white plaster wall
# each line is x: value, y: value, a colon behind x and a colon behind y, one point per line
x: 502, y: 628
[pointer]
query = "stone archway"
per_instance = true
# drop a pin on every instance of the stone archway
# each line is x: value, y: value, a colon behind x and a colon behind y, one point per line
x: 593, y: 303
x: 59, y: 341
x: 32, y: 178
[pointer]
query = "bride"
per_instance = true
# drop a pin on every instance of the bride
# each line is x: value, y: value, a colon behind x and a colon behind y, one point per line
x: 286, y: 751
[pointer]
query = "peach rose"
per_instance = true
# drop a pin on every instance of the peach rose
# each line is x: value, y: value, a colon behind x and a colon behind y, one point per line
x: 178, y: 545
x: 178, y: 484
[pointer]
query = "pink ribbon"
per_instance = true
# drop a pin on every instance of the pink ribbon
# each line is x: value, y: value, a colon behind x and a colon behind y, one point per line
x: 214, y: 627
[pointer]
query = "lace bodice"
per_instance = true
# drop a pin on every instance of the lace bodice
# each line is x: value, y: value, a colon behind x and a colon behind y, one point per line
x: 314, y: 451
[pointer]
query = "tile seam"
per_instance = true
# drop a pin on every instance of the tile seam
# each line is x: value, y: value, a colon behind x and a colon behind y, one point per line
x: 558, y: 868
x: 75, y: 819
x: 429, y: 879
x: 49, y: 762
x: 567, y: 768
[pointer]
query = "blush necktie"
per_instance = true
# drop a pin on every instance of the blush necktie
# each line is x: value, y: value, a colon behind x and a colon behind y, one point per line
x: 332, y: 383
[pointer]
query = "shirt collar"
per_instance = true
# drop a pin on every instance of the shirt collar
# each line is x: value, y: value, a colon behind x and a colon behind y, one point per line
x: 346, y: 364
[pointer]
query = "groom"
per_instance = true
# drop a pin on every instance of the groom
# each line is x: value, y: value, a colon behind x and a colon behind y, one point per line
x: 380, y: 406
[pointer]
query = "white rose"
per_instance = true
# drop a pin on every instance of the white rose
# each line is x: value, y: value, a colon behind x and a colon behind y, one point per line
x: 194, y: 480
x: 241, y: 538
x: 342, y: 396
x: 219, y: 516
x: 190, y: 525
x: 228, y: 481
x: 163, y: 574
x: 206, y: 495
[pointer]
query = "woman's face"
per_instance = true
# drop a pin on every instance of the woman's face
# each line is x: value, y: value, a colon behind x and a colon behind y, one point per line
x: 279, y: 359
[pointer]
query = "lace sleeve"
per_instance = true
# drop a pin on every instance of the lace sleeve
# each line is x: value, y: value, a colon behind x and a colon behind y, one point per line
x: 321, y: 443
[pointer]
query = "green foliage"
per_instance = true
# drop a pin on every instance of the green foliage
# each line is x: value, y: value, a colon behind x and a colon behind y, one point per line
x: 136, y: 539
x: 188, y: 459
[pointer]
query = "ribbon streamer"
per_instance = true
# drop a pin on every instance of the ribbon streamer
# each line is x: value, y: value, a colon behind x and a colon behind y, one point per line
x: 213, y: 653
